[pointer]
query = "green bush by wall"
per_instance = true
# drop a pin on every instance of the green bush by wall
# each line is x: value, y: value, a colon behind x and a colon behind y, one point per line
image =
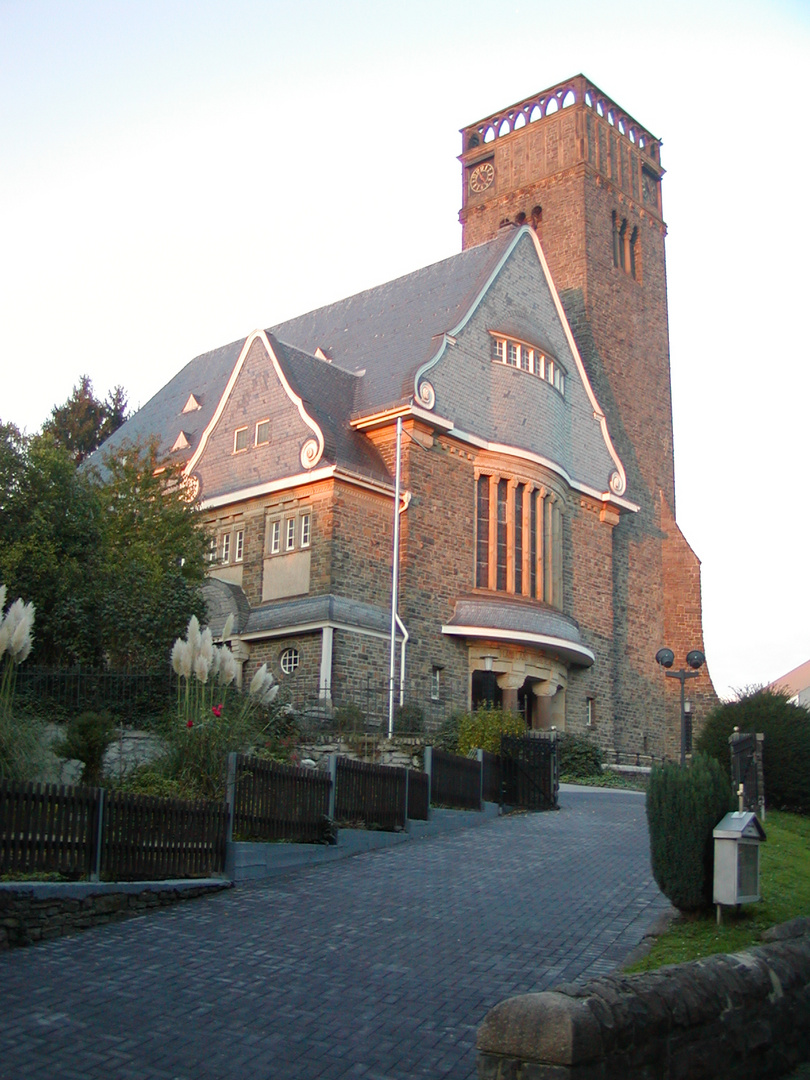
x: 579, y: 757
x: 482, y: 729
x: 786, y: 753
x: 684, y: 804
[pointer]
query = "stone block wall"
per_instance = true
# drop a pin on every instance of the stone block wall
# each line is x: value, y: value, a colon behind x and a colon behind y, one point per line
x: 39, y: 912
x: 744, y: 1016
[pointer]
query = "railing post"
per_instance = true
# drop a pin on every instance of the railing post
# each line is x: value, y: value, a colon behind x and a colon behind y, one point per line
x: 429, y: 771
x: 95, y: 856
x: 480, y: 755
x: 230, y: 795
x: 332, y: 785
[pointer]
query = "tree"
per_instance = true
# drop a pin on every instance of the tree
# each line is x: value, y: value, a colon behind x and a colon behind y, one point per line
x: 154, y: 557
x: 113, y: 558
x: 83, y: 423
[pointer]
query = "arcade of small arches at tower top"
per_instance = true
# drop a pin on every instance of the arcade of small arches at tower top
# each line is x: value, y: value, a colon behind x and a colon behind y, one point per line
x: 552, y: 101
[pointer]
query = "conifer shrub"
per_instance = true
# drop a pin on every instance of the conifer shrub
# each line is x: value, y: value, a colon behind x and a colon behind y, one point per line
x: 579, y: 757
x: 86, y: 739
x: 684, y: 805
x: 786, y: 752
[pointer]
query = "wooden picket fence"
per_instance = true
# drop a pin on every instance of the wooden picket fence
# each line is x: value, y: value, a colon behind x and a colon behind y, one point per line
x: 418, y: 795
x: 373, y: 794
x: 272, y: 801
x: 114, y: 836
x: 455, y: 781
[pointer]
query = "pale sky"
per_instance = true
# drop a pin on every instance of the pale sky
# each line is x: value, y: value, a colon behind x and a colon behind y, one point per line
x: 176, y: 174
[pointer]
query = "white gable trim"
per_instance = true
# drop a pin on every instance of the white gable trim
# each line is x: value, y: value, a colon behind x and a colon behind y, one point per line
x: 618, y: 481
x: 313, y: 458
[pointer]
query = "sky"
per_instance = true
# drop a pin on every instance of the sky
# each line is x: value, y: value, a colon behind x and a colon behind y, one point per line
x: 175, y: 174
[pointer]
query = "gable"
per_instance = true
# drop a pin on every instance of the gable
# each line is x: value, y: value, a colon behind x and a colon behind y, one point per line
x: 556, y: 420
x: 260, y: 431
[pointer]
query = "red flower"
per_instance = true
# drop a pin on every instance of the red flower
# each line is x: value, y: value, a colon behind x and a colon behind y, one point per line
x: 216, y: 710
x: 189, y: 723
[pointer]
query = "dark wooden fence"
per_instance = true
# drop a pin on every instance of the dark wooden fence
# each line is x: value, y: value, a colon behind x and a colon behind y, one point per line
x: 455, y: 781
x: 146, y: 838
x: 418, y: 795
x: 279, y: 802
x: 373, y: 794
x: 81, y: 832
x: 46, y: 828
x: 491, y: 780
x: 530, y: 771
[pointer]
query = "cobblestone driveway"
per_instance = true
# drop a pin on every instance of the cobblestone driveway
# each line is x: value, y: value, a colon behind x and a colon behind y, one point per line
x: 381, y: 966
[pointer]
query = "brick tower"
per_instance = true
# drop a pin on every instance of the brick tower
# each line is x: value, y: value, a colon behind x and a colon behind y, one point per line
x: 587, y: 176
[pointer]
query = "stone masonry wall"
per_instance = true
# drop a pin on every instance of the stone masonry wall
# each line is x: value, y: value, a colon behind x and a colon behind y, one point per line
x: 740, y: 1017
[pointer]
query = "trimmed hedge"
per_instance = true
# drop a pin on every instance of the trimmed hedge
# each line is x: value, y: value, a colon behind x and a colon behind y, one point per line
x: 684, y: 805
x: 786, y: 753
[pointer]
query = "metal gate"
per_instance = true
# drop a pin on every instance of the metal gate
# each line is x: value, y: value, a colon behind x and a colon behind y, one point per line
x: 530, y: 774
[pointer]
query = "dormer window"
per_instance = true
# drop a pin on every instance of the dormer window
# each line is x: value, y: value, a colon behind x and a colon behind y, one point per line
x: 530, y: 358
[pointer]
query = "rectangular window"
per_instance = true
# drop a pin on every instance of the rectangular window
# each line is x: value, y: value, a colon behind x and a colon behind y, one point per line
x: 212, y: 549
x: 275, y: 537
x: 435, y: 683
x: 498, y: 350
x: 262, y: 432
x: 226, y: 547
x: 305, y: 519
x: 512, y: 354
x: 590, y: 716
x: 526, y: 357
x: 540, y: 365
x: 501, y: 576
x: 289, y: 543
x: 240, y: 439
x: 519, y: 538
x: 239, y: 546
x: 482, y: 534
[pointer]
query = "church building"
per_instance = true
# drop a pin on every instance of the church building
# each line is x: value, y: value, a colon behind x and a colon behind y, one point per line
x: 540, y: 563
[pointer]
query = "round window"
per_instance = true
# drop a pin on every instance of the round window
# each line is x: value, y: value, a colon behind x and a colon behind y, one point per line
x: 290, y: 659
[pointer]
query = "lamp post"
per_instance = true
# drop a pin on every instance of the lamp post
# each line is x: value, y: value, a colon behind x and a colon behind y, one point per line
x: 695, y: 659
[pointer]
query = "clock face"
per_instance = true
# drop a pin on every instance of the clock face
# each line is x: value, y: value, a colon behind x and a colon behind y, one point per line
x: 482, y: 176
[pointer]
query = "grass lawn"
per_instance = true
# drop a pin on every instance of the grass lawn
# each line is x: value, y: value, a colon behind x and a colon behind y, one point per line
x: 785, y: 889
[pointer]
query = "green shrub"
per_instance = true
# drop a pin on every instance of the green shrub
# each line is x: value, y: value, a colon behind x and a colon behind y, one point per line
x: 482, y: 729
x: 684, y: 804
x: 446, y: 738
x: 409, y: 720
x: 86, y: 739
x: 349, y: 719
x: 579, y: 757
x: 786, y: 753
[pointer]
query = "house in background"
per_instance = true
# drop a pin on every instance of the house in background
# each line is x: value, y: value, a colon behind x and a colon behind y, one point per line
x: 541, y: 565
x: 796, y: 684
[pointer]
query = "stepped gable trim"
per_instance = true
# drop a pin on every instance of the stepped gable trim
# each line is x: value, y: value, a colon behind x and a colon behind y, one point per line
x: 260, y: 335
x: 618, y: 480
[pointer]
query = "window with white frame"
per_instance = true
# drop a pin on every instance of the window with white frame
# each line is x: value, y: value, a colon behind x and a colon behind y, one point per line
x: 305, y: 530
x: 289, y: 542
x: 226, y: 547
x: 262, y: 432
x: 290, y: 659
x: 212, y: 550
x: 274, y: 545
x: 436, y: 683
x: 528, y: 358
x: 240, y: 440
x: 239, y: 546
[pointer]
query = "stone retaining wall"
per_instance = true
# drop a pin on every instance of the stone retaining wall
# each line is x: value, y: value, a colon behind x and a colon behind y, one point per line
x: 744, y: 1016
x: 39, y: 911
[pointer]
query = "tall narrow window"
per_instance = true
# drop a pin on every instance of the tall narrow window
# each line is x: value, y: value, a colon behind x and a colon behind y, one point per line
x: 240, y: 546
x: 533, y: 546
x: 226, y: 547
x: 501, y: 574
x: 482, y: 534
x: 275, y: 537
x: 289, y: 543
x: 633, y: 245
x: 305, y: 530
x: 519, y: 489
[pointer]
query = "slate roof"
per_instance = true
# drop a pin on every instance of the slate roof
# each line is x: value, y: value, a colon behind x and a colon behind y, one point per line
x: 391, y: 330
x: 513, y: 616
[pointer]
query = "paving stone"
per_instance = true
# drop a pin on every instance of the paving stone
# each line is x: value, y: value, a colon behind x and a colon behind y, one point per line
x: 379, y: 967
